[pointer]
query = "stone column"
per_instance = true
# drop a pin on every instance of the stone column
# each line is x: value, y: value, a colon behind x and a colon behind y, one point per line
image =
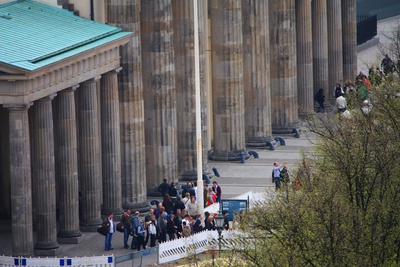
x: 110, y: 144
x: 349, y: 35
x: 185, y: 88
x: 159, y: 92
x: 66, y: 166
x: 335, y: 45
x: 21, y: 185
x: 43, y: 177
x: 256, y: 73
x: 227, y: 80
x: 305, y: 84
x: 89, y: 157
x: 320, y: 45
x: 283, y: 66
x: 126, y: 15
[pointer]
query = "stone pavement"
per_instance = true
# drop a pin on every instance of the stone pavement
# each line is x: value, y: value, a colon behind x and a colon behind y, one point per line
x: 236, y: 178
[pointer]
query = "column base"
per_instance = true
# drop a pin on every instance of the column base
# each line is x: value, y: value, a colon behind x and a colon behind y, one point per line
x: 90, y: 226
x: 259, y: 141
x: 286, y: 131
x: 71, y: 240
x: 46, y: 252
x: 117, y: 212
x: 238, y: 155
x: 191, y: 176
x: 46, y: 246
x: 141, y: 207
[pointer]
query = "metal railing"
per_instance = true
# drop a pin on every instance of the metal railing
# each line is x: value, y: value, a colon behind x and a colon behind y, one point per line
x: 366, y: 28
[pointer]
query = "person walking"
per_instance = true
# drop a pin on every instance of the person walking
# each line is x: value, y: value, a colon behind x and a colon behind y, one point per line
x: 126, y: 221
x: 109, y: 223
x: 277, y: 175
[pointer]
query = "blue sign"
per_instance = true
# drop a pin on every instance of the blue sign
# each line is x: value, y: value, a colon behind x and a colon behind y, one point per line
x: 233, y: 206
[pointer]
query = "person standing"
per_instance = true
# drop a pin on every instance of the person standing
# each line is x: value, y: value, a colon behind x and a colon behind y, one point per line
x: 173, y: 192
x: 109, y: 223
x: 162, y: 227
x: 320, y: 99
x: 277, y: 175
x: 217, y: 189
x: 178, y: 223
x: 192, y: 207
x: 135, y: 224
x: 171, y: 227
x: 285, y: 175
x: 164, y: 187
x: 126, y: 221
x: 152, y: 230
x: 341, y: 104
x: 226, y: 220
x: 141, y: 231
x: 147, y: 220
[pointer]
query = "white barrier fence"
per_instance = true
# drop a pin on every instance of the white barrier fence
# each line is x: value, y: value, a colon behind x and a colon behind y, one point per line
x: 97, y: 261
x: 183, y: 247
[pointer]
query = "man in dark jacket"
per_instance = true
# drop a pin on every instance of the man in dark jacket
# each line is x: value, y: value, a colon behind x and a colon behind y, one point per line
x: 164, y: 187
x: 126, y: 221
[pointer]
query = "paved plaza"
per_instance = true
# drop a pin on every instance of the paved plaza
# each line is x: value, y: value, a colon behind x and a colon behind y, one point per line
x: 235, y: 178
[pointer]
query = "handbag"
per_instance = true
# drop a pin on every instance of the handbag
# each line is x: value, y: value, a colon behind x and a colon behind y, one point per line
x: 102, y: 230
x: 120, y: 227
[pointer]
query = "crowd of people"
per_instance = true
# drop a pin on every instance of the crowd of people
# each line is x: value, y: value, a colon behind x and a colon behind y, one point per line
x: 175, y: 217
x: 356, y: 94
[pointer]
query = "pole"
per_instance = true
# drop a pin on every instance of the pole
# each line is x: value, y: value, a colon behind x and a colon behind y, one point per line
x: 200, y: 200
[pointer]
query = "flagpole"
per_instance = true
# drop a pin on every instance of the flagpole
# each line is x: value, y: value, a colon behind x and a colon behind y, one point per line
x: 200, y: 195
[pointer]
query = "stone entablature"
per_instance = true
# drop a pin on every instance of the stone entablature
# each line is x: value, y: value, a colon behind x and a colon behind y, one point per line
x: 27, y: 87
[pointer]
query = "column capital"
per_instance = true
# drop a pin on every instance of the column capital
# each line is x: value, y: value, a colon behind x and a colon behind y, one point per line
x: 16, y: 107
x: 47, y: 98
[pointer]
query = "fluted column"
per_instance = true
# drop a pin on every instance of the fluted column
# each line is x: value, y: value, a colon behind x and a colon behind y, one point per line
x: 320, y: 45
x: 126, y: 15
x: 305, y: 85
x: 227, y: 79
x: 110, y: 144
x: 256, y: 72
x: 89, y: 157
x: 335, y: 45
x: 283, y: 66
x: 185, y: 88
x: 66, y: 164
x: 43, y: 175
x: 21, y: 185
x: 159, y: 92
x: 349, y: 35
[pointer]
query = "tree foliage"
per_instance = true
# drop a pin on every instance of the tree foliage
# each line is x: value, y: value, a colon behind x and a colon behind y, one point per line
x: 347, y: 210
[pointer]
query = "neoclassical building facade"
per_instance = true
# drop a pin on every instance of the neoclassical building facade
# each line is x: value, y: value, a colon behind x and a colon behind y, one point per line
x: 98, y: 103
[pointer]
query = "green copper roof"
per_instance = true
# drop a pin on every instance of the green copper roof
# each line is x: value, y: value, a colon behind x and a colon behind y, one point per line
x: 34, y: 35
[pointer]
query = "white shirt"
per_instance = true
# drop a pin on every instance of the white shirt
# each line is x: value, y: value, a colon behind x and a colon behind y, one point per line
x: 111, y: 225
x: 341, y: 102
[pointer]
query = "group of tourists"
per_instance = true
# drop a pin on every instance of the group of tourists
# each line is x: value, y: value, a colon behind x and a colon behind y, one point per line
x: 176, y: 216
